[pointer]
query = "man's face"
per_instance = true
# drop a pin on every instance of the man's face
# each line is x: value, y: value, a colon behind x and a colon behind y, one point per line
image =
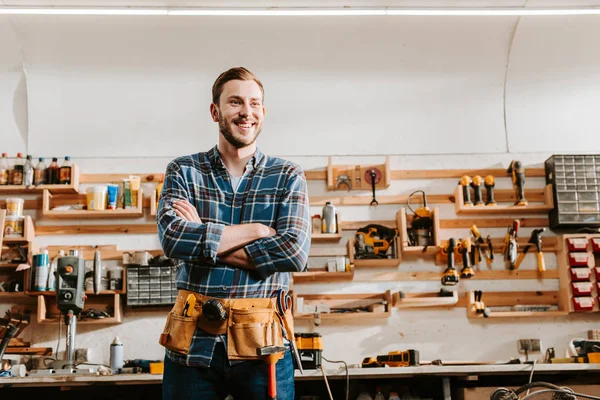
x: 240, y: 112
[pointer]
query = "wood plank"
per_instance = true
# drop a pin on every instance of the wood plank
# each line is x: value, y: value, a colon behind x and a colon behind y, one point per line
x: 493, y: 222
x: 437, y: 275
x: 118, y: 178
x: 322, y: 277
x: 133, y: 229
x: 40, y: 351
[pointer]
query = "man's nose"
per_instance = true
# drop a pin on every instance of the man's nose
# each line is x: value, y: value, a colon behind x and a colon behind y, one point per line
x: 246, y: 110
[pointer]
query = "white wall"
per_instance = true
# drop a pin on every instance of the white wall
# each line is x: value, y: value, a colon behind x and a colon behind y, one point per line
x: 128, y: 94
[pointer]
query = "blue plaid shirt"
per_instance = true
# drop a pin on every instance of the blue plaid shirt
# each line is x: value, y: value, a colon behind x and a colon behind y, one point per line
x: 272, y: 191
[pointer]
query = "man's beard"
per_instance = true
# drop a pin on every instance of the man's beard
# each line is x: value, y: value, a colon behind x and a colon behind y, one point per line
x: 238, y: 143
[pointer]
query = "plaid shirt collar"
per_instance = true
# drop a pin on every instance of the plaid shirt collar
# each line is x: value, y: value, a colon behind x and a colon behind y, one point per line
x: 217, y: 162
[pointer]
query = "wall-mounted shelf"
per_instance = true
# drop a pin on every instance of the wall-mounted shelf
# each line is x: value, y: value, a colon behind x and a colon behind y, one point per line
x: 358, y: 176
x: 47, y: 313
x: 511, y: 299
x: 372, y: 305
x: 28, y: 232
x: 427, y: 299
x: 323, y: 276
x: 462, y: 209
x: 375, y: 262
x: 402, y: 221
x: 47, y: 200
x: 73, y: 187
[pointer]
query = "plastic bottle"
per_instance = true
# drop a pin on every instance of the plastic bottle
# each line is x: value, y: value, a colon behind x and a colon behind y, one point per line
x: 379, y: 395
x: 116, y: 355
x: 65, y: 172
x: 53, y: 172
x: 329, y: 221
x: 41, y: 271
x: 52, y: 271
x: 4, y: 169
x: 28, y: 172
x: 39, y: 174
x: 16, y: 175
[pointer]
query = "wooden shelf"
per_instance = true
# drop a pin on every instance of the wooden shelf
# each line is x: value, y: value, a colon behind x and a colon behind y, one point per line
x: 28, y: 232
x: 52, y: 293
x: 375, y: 262
x: 462, y: 209
x: 429, y: 300
x: 47, y: 313
x: 11, y: 295
x: 356, y: 175
x: 153, y: 203
x: 73, y: 187
x: 406, y: 276
x: 402, y: 221
x: 136, y: 212
x: 326, y: 237
x: 343, y: 301
x: 503, y: 299
x: 323, y: 276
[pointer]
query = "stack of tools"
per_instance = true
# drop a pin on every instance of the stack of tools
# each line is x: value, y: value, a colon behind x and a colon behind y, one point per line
x: 420, y: 231
x: 477, y: 183
x: 375, y: 242
x: 408, y: 358
x: 481, y: 248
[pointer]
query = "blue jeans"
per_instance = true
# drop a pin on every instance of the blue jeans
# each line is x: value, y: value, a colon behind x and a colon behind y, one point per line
x: 244, y: 381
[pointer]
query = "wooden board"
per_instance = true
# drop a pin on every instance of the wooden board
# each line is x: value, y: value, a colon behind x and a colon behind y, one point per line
x: 136, y: 212
x: 437, y: 275
x: 73, y: 187
x: 322, y: 276
x: 39, y: 351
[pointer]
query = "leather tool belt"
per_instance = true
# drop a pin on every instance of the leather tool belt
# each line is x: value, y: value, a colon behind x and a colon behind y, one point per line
x: 251, y: 323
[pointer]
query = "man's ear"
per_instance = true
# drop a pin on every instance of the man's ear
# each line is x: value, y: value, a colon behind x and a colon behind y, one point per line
x: 214, y: 112
x: 264, y: 111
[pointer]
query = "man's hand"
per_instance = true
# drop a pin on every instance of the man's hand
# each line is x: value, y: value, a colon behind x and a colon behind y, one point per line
x: 186, y: 210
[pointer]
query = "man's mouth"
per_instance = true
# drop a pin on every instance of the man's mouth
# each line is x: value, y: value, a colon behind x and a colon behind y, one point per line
x: 245, y: 125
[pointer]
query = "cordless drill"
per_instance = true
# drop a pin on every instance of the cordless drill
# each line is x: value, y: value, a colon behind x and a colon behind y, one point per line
x: 517, y: 170
x: 465, y: 182
x: 450, y: 276
x: 476, y: 185
x: 489, y: 186
x: 463, y: 247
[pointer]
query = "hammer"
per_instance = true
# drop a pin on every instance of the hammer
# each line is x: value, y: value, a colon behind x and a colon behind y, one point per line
x: 534, y: 240
x: 271, y: 354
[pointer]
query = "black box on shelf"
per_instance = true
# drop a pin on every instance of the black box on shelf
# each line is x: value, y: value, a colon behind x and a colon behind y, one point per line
x: 575, y: 181
x: 151, y: 285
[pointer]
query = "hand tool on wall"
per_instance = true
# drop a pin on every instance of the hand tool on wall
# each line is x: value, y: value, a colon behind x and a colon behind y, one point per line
x: 489, y: 183
x: 373, y: 177
x: 373, y: 241
x: 534, y: 240
x: 511, y: 246
x: 420, y: 232
x: 450, y: 276
x: 463, y: 247
x: 284, y: 303
x: 517, y: 171
x: 476, y: 184
x: 344, y: 180
x: 270, y: 355
x: 481, y: 247
x: 488, y: 240
x: 465, y: 182
x: 480, y: 307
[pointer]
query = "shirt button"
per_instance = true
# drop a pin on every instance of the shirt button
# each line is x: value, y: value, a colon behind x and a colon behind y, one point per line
x: 224, y: 287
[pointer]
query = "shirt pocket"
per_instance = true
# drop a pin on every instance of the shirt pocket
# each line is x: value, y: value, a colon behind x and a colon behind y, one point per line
x: 260, y: 207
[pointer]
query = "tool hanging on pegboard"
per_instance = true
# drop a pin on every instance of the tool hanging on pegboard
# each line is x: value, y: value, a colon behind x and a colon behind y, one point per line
x: 511, y: 246
x: 420, y: 231
x: 372, y: 177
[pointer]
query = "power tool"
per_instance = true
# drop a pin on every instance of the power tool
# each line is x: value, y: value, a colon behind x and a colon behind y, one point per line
x: 534, y: 240
x: 450, y: 276
x: 517, y: 170
x: 373, y: 241
x: 420, y: 232
x: 310, y: 347
x: 511, y: 246
x: 489, y: 183
x: 465, y: 182
x: 408, y: 358
x: 476, y: 185
x: 463, y: 247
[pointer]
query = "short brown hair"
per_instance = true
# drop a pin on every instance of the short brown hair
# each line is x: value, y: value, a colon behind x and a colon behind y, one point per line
x: 233, y: 74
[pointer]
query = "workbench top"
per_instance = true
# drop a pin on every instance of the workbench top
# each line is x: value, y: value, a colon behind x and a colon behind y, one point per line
x: 355, y: 373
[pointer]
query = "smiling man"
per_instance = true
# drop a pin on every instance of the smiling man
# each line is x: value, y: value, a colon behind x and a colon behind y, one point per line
x: 238, y: 222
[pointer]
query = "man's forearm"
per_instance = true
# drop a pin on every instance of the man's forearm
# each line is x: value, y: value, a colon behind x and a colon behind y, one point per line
x: 238, y: 259
x: 237, y: 236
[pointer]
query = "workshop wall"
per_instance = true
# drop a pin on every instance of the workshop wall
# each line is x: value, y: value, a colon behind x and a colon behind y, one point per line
x: 433, y: 93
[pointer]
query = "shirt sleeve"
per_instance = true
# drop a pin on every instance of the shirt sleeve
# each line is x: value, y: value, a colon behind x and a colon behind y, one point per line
x: 287, y: 251
x: 182, y: 239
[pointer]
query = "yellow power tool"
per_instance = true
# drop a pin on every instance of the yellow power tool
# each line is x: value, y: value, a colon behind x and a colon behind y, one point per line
x: 476, y: 184
x: 450, y: 277
x: 489, y: 183
x: 517, y: 171
x: 374, y: 241
x: 463, y: 247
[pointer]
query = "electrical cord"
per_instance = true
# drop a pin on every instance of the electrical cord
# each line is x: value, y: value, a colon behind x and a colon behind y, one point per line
x: 347, y: 375
x: 326, y: 383
x: 531, y: 376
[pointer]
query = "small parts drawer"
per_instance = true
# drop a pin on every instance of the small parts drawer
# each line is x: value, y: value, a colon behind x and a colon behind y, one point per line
x: 595, y: 245
x: 581, y: 288
x: 579, y: 259
x: 577, y: 244
x: 580, y: 274
x: 583, y: 303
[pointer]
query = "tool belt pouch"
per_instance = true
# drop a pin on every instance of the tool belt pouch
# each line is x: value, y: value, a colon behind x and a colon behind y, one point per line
x: 179, y: 330
x: 249, y: 329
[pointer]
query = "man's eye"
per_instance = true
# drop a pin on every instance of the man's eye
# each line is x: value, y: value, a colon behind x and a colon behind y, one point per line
x: 235, y: 102
x: 256, y: 104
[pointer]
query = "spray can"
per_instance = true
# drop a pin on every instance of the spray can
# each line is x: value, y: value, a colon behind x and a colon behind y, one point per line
x: 116, y: 355
x: 329, y: 222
